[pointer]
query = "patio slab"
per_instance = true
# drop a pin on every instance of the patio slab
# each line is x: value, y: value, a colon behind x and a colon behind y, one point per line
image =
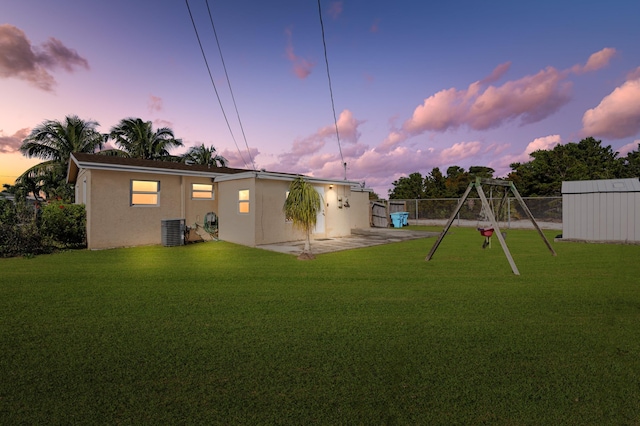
x: 359, y: 238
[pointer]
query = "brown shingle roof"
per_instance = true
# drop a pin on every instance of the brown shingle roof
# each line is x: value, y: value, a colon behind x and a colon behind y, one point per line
x: 154, y: 164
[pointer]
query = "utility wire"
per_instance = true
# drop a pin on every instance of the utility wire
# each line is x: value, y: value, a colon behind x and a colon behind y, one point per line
x: 335, y: 120
x: 230, y: 89
x: 214, y: 85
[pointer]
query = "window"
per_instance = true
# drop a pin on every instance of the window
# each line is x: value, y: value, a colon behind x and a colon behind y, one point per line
x: 243, y: 201
x: 145, y: 193
x: 202, y: 191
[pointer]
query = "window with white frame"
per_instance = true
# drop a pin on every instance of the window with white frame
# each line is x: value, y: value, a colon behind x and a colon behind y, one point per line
x: 145, y: 193
x: 202, y: 191
x: 243, y: 201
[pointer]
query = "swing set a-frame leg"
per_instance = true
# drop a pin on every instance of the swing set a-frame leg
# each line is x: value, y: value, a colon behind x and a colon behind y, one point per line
x: 496, y: 229
x: 451, y: 219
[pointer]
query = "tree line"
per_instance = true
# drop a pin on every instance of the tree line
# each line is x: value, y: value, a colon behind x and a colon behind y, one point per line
x: 542, y: 176
x: 54, y: 141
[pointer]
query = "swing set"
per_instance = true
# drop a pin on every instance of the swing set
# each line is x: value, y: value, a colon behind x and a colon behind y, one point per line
x: 489, y: 211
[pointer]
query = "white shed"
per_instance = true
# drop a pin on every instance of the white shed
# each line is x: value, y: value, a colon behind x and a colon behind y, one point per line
x: 601, y: 210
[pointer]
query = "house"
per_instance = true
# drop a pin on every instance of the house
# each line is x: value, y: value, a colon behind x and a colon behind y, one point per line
x: 606, y: 210
x: 127, y: 201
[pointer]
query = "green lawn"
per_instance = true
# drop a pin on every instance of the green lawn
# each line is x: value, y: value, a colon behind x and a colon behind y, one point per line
x: 216, y: 333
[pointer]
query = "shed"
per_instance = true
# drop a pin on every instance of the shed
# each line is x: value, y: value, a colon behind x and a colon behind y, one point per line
x: 606, y: 210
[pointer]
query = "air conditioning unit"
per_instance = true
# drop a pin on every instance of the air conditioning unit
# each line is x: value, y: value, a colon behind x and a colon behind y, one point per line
x: 173, y: 232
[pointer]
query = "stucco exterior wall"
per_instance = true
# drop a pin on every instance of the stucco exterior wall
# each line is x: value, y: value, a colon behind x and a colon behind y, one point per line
x: 360, y: 210
x: 236, y: 227
x: 113, y: 222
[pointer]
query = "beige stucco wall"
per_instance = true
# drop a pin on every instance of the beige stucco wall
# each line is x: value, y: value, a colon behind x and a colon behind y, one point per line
x: 360, y: 210
x: 266, y: 224
x: 113, y: 222
x: 234, y: 226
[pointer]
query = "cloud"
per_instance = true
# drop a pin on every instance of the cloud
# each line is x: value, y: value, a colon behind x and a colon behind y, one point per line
x: 484, y: 105
x: 19, y: 59
x: 626, y: 149
x: 9, y: 144
x: 543, y: 143
x: 163, y: 123
x: 301, y: 67
x: 497, y: 73
x: 460, y: 151
x: 596, y: 61
x: 241, y: 160
x: 335, y: 9
x: 155, y: 104
x: 617, y: 116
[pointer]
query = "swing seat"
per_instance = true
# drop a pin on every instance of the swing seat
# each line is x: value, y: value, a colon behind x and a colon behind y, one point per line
x: 486, y: 232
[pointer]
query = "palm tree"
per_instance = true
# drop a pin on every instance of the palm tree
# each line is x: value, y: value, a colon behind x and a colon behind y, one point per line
x: 137, y: 139
x: 207, y: 156
x: 55, y: 141
x: 302, y: 206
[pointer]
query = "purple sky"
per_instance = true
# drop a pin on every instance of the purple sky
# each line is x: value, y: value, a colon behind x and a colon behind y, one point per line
x: 416, y: 84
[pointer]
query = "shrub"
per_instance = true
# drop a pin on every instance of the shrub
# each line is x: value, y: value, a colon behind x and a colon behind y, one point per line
x: 19, y: 231
x: 65, y: 224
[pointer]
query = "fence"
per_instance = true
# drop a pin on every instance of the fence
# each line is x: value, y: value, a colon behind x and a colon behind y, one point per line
x: 436, y: 211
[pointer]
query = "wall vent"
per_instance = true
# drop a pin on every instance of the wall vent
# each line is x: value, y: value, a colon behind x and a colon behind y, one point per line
x: 173, y: 232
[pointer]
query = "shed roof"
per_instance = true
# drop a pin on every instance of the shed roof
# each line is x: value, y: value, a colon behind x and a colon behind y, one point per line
x: 601, y: 185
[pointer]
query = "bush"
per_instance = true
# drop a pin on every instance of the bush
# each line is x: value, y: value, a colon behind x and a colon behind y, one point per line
x: 19, y: 230
x: 65, y: 224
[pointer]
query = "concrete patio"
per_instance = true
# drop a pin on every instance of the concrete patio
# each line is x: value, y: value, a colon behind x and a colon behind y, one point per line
x: 359, y: 238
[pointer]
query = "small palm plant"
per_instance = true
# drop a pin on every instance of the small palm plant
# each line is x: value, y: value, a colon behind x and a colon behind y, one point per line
x: 302, y: 206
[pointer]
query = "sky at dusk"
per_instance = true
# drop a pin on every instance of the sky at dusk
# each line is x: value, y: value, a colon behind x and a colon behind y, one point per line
x: 416, y: 84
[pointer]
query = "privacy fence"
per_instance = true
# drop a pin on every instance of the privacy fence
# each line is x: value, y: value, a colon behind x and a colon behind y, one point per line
x: 435, y: 211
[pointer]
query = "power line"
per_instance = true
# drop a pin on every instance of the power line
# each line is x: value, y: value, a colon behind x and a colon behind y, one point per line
x: 229, y: 83
x: 214, y: 85
x: 335, y: 120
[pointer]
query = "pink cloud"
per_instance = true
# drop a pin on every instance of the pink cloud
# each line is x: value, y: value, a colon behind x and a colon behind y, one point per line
x: 163, y: 123
x: 301, y: 67
x: 497, y: 73
x: 19, y: 59
x: 155, y: 104
x: 617, y: 116
x: 483, y: 105
x: 626, y: 149
x: 596, y: 61
x: 241, y: 160
x: 460, y: 151
x: 9, y: 144
x: 335, y: 9
x: 501, y: 163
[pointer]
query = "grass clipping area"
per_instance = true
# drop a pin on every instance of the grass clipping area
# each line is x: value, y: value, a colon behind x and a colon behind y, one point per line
x: 217, y: 333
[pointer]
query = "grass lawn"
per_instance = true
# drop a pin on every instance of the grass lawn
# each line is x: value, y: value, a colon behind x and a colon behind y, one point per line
x: 217, y: 333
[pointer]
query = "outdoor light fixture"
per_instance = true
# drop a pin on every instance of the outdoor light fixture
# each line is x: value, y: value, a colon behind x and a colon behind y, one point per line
x: 330, y: 186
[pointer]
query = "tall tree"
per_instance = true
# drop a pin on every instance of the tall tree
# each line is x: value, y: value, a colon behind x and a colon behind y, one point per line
x: 457, y: 181
x: 587, y: 159
x: 631, y: 163
x: 435, y: 184
x: 408, y: 188
x: 204, y: 155
x: 136, y: 138
x: 302, y: 206
x: 55, y: 141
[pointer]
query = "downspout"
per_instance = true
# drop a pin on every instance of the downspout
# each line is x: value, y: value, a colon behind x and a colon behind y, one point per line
x: 182, y: 199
